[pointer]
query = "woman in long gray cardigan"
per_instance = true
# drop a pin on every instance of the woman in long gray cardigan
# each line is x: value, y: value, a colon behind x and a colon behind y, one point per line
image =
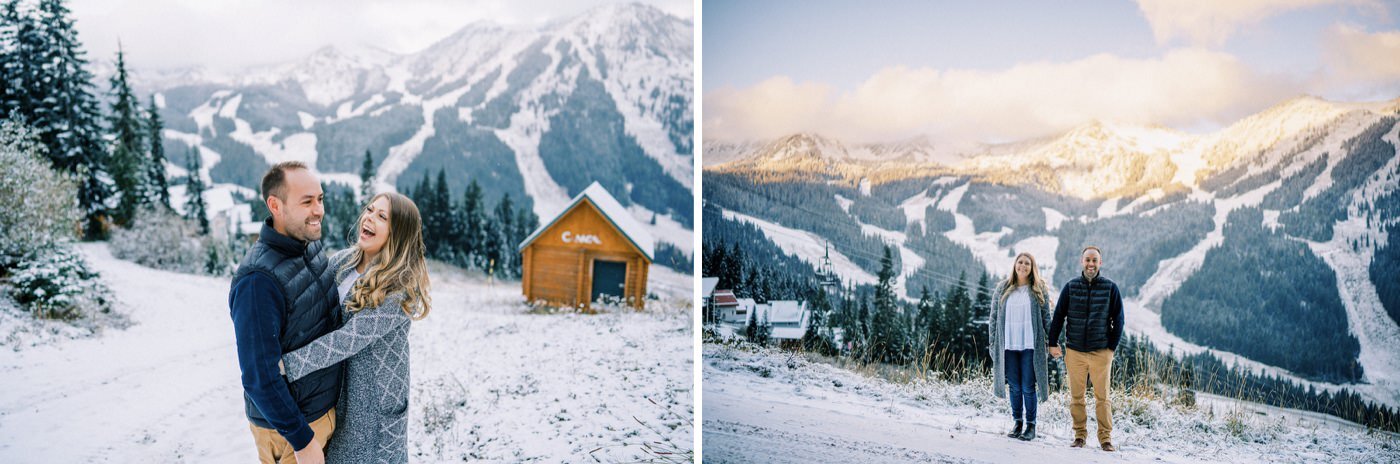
x: 1017, y: 334
x: 383, y: 283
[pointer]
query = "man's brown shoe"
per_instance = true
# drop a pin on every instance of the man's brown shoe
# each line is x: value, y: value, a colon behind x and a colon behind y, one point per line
x: 1107, y: 447
x: 1078, y: 443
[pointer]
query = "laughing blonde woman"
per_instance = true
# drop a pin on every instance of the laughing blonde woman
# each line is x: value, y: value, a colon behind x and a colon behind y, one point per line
x: 383, y: 286
x: 1017, y: 333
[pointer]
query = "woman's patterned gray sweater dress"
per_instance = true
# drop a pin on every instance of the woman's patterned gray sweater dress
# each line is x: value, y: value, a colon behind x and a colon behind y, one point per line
x: 372, y: 414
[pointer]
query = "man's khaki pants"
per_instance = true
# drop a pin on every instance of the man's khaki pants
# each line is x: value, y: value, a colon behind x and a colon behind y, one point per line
x: 1095, y: 365
x: 273, y: 449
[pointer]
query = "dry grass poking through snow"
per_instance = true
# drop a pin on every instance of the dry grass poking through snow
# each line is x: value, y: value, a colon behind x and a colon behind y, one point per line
x: 1149, y: 420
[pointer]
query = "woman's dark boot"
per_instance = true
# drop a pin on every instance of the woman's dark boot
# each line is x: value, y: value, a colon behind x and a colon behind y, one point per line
x: 1029, y: 433
x: 1016, y: 432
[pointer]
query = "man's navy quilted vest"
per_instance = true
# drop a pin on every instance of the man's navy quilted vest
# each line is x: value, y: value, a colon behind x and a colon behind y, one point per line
x: 307, y: 282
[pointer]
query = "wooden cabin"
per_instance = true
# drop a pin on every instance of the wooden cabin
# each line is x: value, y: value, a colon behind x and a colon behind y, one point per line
x: 592, y: 249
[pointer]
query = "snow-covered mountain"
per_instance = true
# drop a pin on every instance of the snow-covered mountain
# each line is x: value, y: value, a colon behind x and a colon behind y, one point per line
x: 1291, y: 207
x: 793, y: 151
x: 1096, y: 160
x: 534, y: 112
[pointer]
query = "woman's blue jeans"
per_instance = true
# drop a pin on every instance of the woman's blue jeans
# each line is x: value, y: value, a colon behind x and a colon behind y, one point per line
x: 1020, y: 380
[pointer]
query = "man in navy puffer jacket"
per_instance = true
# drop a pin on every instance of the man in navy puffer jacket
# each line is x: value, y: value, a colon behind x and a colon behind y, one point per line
x: 1090, y: 312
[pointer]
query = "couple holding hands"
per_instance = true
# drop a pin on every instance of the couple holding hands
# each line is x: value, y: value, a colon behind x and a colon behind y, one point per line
x: 1024, y: 330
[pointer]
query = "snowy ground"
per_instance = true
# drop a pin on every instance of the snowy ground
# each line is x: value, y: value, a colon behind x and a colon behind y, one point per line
x: 773, y: 406
x: 490, y: 380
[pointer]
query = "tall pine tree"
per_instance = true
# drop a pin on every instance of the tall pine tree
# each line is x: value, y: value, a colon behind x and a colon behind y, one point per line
x: 505, y: 228
x: 158, y: 186
x: 342, y: 213
x: 887, y: 332
x: 957, y: 322
x: 472, y: 221
x: 438, y: 221
x: 525, y: 223
x: 195, y: 207
x: 127, y: 162
x: 53, y: 90
x: 981, y: 311
x: 20, y: 43
x: 923, y: 334
x: 367, y: 174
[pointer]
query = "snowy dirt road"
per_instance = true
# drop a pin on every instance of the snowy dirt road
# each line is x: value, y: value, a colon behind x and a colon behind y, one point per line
x: 490, y: 381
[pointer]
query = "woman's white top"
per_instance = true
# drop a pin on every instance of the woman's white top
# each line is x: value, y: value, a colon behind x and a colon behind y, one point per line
x: 1020, y: 331
x: 348, y: 283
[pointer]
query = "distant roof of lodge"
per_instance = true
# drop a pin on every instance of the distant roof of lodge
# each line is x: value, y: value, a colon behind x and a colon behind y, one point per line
x: 708, y: 284
x: 612, y: 211
x: 787, y: 318
x: 725, y: 298
x: 785, y: 311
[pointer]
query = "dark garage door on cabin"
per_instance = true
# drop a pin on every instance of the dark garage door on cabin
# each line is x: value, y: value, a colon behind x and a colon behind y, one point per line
x: 608, y: 278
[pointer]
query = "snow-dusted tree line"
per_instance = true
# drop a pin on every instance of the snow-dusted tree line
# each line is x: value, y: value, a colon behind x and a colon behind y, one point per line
x: 945, y: 332
x: 78, y: 170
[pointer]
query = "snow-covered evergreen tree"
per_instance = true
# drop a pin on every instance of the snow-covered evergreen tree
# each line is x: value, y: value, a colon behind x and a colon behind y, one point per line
x: 127, y: 162
x: 158, y: 187
x: 195, y: 208
x: 923, y: 333
x: 64, y: 111
x: 818, y: 337
x: 863, y: 329
x: 505, y: 230
x: 982, y: 309
x: 342, y: 215
x: 731, y: 272
x: 367, y: 174
x: 471, y: 221
x: 887, y: 330
x: 749, y: 286
x: 525, y: 222
x: 436, y: 210
x: 20, y: 43
x: 57, y: 284
x: 959, y: 322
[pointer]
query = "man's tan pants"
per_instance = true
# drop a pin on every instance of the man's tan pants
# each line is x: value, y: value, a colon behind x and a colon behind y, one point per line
x: 1095, y: 366
x: 273, y: 449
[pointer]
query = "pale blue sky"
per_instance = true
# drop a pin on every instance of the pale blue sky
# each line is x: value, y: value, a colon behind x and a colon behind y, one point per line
x: 844, y: 42
x: 1006, y: 70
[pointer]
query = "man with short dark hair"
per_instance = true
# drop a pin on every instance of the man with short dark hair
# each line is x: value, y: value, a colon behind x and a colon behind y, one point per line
x: 282, y: 298
x: 1090, y: 311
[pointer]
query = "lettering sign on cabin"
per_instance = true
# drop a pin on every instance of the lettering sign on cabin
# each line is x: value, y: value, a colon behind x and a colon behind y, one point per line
x: 591, y: 248
x: 569, y: 236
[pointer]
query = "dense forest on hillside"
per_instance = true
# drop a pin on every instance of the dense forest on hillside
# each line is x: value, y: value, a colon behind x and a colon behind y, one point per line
x: 1268, y: 298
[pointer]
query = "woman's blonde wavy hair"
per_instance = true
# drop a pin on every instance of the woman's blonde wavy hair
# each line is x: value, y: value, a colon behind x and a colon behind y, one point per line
x: 1038, y: 287
x: 400, y: 265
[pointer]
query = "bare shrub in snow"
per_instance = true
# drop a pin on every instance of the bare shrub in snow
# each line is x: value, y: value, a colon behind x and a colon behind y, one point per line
x: 162, y: 240
x: 42, y: 210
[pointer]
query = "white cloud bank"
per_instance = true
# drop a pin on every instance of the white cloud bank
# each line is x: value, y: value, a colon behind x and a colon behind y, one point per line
x: 232, y: 34
x: 1211, y: 22
x: 1185, y: 87
x: 1361, y: 64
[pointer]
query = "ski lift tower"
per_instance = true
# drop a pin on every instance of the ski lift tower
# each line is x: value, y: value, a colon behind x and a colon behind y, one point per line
x: 826, y: 274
